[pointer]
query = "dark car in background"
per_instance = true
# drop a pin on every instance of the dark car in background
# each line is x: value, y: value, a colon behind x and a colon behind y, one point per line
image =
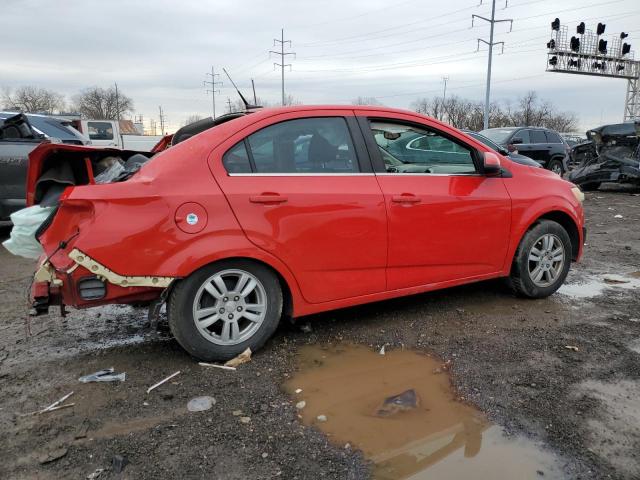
x: 516, y: 157
x: 541, y: 144
x: 19, y: 134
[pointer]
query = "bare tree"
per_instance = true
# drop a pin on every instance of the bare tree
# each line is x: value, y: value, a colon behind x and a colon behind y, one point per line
x: 291, y: 100
x: 30, y: 99
x: 102, y: 103
x: 192, y: 119
x: 365, y: 101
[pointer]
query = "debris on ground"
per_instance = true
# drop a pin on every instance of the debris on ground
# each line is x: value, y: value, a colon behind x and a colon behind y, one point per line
x: 200, y: 404
x: 95, y: 474
x: 105, y: 375
x: 53, y: 407
x: 118, y: 463
x: 306, y: 328
x: 152, y: 387
x: 572, y: 347
x: 245, y: 419
x: 404, y: 401
x: 53, y: 455
x: 382, y: 352
x: 614, y: 281
x: 298, y: 390
x: 321, y: 418
x: 222, y: 367
x: 236, y: 413
x: 244, y: 357
x: 618, y: 216
x: 301, y: 404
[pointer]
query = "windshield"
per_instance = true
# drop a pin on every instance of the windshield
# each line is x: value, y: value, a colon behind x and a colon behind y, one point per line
x: 498, y: 135
x: 54, y: 129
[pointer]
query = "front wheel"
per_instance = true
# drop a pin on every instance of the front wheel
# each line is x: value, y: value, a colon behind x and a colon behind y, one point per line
x: 556, y: 166
x: 542, y: 260
x: 222, y: 309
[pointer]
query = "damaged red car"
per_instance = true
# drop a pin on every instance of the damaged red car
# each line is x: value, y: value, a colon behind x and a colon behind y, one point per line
x: 286, y: 212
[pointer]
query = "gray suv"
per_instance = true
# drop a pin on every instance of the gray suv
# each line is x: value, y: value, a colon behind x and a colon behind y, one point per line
x: 541, y: 144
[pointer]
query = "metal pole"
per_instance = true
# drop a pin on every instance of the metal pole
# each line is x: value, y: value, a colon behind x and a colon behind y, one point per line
x: 282, y: 57
x: 117, y: 103
x: 213, y: 92
x: 488, y: 92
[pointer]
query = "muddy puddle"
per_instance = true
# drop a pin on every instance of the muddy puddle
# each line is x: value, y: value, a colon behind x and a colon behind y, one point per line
x: 400, y: 410
x: 593, y: 286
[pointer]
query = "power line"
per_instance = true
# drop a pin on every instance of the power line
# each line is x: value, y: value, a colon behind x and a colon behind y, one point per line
x: 282, y: 55
x: 490, y: 44
x: 212, y: 84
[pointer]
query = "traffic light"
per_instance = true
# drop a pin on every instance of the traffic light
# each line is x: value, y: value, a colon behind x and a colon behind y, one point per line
x: 555, y: 25
x: 574, y: 63
x: 580, y: 28
x: 626, y: 48
x: 551, y: 44
x: 602, y: 46
x: 553, y: 61
x: 620, y: 68
x: 599, y: 65
x: 600, y: 28
x: 623, y: 35
x: 574, y: 43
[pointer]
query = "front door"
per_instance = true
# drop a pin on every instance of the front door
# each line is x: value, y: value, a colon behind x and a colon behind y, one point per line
x: 301, y: 192
x: 446, y: 221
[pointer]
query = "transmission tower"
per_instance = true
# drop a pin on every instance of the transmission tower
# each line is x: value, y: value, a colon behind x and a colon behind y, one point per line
x: 212, y: 84
x: 162, y: 119
x: 229, y: 104
x: 492, y: 21
x: 282, y: 55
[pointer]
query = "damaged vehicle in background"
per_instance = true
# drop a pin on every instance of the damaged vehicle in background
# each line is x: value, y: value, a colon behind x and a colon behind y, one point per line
x: 286, y: 212
x: 611, y: 155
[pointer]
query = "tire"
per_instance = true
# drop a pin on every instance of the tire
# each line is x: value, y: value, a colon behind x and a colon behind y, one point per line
x: 230, y: 321
x: 554, y: 268
x: 590, y: 187
x: 555, y: 165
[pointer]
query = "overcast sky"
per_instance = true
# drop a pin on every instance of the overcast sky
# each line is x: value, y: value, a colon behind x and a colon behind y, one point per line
x: 159, y: 50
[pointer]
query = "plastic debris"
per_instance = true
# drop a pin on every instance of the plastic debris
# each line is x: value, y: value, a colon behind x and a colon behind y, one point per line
x: 306, y: 328
x: 244, y: 357
x: 301, y: 404
x: 245, y: 419
x: 201, y: 404
x: 153, y: 387
x: 618, y: 216
x: 222, y: 367
x: 22, y: 240
x: 321, y: 418
x: 382, y: 352
x: 113, y: 167
x: 404, y: 401
x: 95, y: 474
x: 571, y: 347
x: 298, y: 390
x: 105, y: 375
x: 118, y: 463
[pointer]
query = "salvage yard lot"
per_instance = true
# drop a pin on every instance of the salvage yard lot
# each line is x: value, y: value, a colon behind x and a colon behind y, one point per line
x: 509, y: 358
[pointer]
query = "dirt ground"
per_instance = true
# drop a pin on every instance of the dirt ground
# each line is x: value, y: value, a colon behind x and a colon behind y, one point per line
x: 509, y: 358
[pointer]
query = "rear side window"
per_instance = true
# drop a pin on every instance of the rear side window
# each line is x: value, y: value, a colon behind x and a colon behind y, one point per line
x: 100, y: 130
x: 553, y: 137
x: 236, y: 160
x: 537, y: 136
x: 308, y: 145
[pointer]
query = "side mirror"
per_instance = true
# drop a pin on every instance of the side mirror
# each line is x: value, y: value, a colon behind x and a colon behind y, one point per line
x: 503, y: 151
x: 516, y: 141
x: 491, y: 163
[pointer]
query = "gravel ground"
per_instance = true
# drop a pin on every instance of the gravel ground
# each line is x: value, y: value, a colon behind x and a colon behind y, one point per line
x: 509, y: 358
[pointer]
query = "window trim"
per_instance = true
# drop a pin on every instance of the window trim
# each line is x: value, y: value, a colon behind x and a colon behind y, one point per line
x: 364, y: 167
x: 378, y: 163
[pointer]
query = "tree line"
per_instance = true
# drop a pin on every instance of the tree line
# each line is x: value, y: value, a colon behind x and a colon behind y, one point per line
x: 93, y: 102
x: 527, y: 111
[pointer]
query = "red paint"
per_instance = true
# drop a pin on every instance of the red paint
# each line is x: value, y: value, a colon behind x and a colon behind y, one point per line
x: 336, y: 241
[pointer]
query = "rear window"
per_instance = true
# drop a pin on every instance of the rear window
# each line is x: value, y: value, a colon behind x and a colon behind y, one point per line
x: 553, y: 137
x: 100, y: 130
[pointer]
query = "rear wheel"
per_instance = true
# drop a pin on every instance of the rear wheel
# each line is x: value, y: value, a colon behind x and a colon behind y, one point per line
x: 223, y: 309
x: 542, y: 260
x: 556, y: 166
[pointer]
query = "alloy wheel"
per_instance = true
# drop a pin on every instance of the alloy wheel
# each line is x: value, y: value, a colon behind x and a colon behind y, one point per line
x: 229, y: 307
x: 546, y: 260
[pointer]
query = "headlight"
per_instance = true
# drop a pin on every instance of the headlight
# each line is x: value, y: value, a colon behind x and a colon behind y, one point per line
x: 578, y: 194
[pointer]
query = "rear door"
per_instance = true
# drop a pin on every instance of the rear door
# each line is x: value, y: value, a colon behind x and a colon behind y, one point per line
x: 539, y: 149
x: 303, y: 189
x: 446, y: 220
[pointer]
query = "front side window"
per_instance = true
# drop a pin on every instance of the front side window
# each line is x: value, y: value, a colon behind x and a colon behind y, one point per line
x: 308, y: 145
x: 100, y: 130
x: 409, y: 149
x: 523, y: 135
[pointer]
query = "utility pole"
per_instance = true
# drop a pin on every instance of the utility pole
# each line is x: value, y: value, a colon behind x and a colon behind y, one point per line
x: 492, y: 21
x: 282, y: 55
x: 229, y: 104
x: 161, y: 120
x: 152, y: 126
x: 212, y: 84
x: 117, y: 103
x: 444, y: 92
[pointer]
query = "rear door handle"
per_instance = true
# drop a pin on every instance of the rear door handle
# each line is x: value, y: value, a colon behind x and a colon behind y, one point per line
x: 405, y: 198
x: 268, y: 198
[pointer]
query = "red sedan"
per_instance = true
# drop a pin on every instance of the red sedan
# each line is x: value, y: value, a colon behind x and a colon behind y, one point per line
x: 293, y: 211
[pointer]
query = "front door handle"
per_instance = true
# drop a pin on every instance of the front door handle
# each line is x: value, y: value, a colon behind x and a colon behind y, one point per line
x: 405, y: 198
x: 268, y: 198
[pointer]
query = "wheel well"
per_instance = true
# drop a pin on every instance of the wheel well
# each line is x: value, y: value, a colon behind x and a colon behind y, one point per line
x: 569, y: 225
x: 287, y: 297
